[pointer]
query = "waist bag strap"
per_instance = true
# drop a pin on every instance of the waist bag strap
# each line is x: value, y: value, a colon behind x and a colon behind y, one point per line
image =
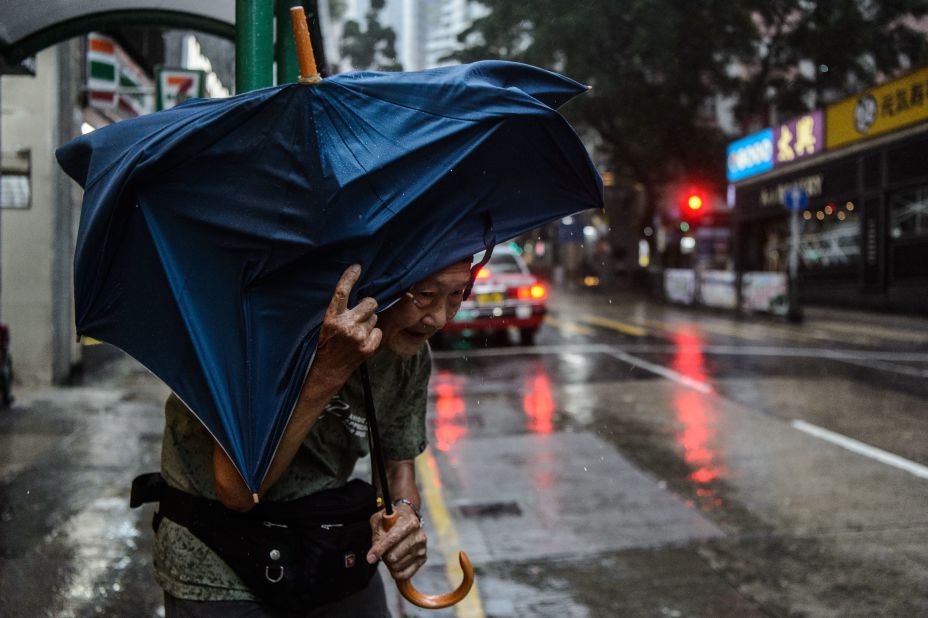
x: 146, y: 488
x: 178, y: 506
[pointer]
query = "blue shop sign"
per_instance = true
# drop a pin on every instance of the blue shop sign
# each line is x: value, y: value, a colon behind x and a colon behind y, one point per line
x: 750, y: 155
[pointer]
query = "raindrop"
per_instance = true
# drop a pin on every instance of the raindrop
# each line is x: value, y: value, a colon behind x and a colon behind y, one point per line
x: 584, y: 469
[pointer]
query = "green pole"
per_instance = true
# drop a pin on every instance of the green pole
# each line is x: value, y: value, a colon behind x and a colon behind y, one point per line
x: 288, y: 69
x: 254, y: 44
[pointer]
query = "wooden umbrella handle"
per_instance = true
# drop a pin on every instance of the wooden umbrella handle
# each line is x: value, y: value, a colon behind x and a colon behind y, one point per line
x: 304, y: 48
x: 434, y: 601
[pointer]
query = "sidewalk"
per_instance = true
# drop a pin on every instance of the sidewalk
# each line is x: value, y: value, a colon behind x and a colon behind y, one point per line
x: 69, y: 543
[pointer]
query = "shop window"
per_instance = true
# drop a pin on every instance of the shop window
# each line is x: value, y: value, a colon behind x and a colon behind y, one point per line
x: 908, y: 213
x: 906, y: 164
x: 15, y: 185
x: 830, y: 235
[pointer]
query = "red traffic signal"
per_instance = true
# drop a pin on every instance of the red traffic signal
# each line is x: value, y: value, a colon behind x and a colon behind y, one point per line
x: 694, y: 202
x: 691, y: 207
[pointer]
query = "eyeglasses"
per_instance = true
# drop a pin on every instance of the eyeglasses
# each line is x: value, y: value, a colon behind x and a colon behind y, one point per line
x: 429, y: 299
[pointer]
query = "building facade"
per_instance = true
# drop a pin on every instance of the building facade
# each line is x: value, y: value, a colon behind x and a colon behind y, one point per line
x: 39, y: 211
x: 426, y: 30
x: 864, y: 211
x: 78, y: 86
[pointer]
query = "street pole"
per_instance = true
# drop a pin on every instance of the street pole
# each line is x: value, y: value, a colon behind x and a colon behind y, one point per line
x: 254, y: 44
x: 794, y: 312
x: 288, y: 70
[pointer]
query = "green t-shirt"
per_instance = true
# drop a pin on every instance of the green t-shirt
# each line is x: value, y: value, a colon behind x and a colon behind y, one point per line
x: 185, y: 567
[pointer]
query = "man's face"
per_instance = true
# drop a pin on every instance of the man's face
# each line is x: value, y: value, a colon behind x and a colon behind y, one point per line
x: 431, y: 303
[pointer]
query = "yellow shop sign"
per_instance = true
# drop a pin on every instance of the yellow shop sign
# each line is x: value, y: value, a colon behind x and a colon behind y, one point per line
x: 885, y: 108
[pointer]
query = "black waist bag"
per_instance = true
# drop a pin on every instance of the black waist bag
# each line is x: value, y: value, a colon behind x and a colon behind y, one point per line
x: 293, y: 555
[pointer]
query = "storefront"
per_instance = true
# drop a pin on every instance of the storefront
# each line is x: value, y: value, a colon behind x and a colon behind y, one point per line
x: 864, y: 223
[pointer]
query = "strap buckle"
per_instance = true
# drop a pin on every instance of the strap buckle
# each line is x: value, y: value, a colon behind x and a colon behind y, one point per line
x: 273, y: 579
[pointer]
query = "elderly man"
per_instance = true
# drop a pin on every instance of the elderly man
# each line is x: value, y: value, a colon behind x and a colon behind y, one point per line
x: 324, y: 439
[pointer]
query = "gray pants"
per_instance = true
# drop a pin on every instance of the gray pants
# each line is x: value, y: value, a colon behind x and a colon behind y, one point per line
x: 368, y: 603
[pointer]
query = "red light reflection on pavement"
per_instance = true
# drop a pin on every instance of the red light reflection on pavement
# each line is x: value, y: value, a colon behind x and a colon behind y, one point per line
x: 697, y: 418
x: 450, y: 417
x: 538, y: 402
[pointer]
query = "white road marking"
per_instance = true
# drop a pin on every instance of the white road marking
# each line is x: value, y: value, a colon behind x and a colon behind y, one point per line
x: 860, y: 448
x: 867, y: 358
x: 590, y: 348
x: 662, y: 371
x: 887, y: 366
x: 721, y: 350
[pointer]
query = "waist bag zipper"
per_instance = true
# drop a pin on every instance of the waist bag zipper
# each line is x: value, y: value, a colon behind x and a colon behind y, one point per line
x: 271, y: 524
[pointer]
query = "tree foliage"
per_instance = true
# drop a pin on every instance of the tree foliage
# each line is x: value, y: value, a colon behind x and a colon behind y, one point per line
x: 659, y: 67
x: 805, y: 55
x: 372, y: 48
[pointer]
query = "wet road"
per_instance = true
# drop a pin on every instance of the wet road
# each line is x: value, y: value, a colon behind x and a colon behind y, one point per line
x: 647, y: 460
x: 640, y: 460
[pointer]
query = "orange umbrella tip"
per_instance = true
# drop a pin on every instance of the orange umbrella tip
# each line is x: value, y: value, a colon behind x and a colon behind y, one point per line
x: 304, y: 49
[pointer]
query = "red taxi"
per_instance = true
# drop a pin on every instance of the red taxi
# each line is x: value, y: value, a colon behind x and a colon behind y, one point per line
x: 505, y: 295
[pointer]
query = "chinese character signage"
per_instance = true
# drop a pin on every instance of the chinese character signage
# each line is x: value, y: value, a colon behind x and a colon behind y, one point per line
x: 787, y: 143
x: 750, y: 155
x: 885, y: 108
x: 177, y: 85
x: 799, y: 138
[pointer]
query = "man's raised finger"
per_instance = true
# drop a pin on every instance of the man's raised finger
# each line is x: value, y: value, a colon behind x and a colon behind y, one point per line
x: 343, y: 289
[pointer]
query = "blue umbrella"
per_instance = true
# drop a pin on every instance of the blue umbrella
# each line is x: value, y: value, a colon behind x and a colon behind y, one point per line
x: 212, y: 234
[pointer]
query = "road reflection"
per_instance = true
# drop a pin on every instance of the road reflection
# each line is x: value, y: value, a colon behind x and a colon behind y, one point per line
x: 450, y: 411
x: 698, y: 420
x: 537, y: 402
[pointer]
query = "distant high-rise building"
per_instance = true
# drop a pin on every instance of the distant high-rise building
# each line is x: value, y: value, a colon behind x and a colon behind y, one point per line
x: 426, y: 30
x: 446, y: 20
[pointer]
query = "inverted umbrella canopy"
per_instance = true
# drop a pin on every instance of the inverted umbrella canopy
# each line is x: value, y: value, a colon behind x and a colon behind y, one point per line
x: 212, y: 234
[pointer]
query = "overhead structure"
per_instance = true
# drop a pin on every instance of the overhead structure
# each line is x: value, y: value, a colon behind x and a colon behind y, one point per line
x: 29, y: 27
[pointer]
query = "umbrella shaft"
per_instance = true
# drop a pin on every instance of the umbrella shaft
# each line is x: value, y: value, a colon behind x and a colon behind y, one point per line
x: 376, y: 454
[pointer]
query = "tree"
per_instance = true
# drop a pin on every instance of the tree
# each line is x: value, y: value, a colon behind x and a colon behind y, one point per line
x: 372, y: 48
x: 658, y: 67
x: 653, y: 66
x: 806, y: 55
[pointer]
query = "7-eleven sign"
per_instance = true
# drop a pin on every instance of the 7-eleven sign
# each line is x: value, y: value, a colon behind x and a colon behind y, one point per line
x: 177, y: 85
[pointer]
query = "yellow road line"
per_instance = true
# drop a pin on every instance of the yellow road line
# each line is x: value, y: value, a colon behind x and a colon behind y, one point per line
x: 430, y: 483
x: 622, y: 327
x: 737, y: 332
x: 569, y: 327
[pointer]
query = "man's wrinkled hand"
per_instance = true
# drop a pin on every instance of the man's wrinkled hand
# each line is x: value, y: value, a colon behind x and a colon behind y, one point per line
x: 403, y: 548
x: 347, y: 337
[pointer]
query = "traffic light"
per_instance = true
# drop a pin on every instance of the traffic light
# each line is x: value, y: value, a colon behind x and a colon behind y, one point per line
x: 691, y: 209
x: 694, y: 202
